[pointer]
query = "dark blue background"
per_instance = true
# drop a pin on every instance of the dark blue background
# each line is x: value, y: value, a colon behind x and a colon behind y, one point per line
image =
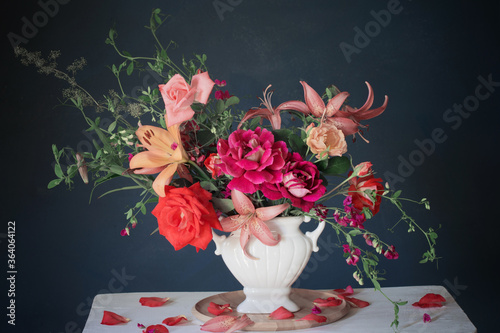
x: 427, y: 59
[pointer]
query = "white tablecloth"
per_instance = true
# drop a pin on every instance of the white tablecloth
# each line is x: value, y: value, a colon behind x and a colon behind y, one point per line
x: 374, y: 318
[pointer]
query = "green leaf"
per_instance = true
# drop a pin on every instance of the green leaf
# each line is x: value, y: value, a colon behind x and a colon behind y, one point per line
x: 112, y: 126
x: 355, y: 232
x: 53, y: 183
x: 130, y: 68
x: 338, y: 165
x: 396, y: 194
x: 121, y: 189
x: 58, y: 171
x: 297, y: 144
x: 224, y: 205
x: 232, y: 101
x: 208, y: 186
x: 219, y: 106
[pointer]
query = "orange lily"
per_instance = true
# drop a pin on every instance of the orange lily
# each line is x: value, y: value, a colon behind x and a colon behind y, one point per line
x: 251, y: 221
x: 165, y: 154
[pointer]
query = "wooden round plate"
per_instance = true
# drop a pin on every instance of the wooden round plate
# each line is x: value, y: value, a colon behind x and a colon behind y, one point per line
x: 302, y: 297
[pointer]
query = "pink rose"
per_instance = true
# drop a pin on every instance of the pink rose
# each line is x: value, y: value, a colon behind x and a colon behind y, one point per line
x: 301, y: 184
x: 326, y: 139
x: 252, y: 158
x: 178, y: 96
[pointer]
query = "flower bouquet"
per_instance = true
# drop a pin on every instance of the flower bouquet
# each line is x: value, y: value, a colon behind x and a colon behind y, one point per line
x: 204, y: 164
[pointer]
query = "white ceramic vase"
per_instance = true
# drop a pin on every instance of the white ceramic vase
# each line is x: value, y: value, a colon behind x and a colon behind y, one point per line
x: 267, y: 281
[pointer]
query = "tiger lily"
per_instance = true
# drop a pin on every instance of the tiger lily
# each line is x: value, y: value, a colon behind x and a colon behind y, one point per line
x: 270, y: 113
x: 251, y: 221
x: 164, y: 155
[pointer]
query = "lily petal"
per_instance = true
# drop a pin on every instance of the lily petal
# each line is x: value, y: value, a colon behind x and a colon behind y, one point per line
x: 244, y: 237
x: 242, y: 204
x: 232, y: 223
x: 219, y: 324
x: 267, y: 213
x: 260, y: 230
x: 313, y: 100
x: 163, y: 179
x: 335, y: 103
x: 240, y: 323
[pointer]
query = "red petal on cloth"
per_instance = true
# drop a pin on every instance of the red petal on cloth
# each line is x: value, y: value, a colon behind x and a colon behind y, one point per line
x: 171, y: 321
x: 217, y: 309
x: 430, y: 301
x: 281, y: 313
x: 153, y: 301
x: 315, y: 317
x: 347, y: 291
x: 111, y: 318
x: 330, y: 301
x: 357, y: 302
x: 156, y: 329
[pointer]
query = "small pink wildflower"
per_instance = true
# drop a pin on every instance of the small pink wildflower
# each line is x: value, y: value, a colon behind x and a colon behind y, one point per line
x: 427, y: 318
x: 219, y: 94
x: 125, y: 232
x: 391, y: 253
x: 221, y: 83
x: 354, y: 254
x: 316, y: 310
x: 130, y: 156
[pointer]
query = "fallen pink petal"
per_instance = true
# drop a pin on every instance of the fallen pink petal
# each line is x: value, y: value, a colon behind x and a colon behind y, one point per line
x: 111, y: 318
x: 315, y: 317
x: 430, y: 301
x: 156, y: 329
x: 171, y: 321
x: 218, y: 309
x: 281, y: 313
x: 330, y: 301
x: 153, y: 301
x: 427, y: 318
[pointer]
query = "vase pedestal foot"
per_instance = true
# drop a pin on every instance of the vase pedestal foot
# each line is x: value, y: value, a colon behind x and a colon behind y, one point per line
x: 266, y: 300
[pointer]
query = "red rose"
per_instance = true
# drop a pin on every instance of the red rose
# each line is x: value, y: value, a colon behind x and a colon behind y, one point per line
x: 370, y: 199
x: 186, y: 216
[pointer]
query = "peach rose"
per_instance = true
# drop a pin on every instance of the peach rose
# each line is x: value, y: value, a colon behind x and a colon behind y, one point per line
x: 178, y: 96
x: 326, y: 139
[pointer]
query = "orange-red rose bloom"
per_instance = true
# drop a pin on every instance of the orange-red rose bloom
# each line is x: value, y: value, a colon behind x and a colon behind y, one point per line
x: 186, y: 216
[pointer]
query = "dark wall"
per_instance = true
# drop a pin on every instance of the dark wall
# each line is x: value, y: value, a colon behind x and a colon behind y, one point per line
x: 430, y: 58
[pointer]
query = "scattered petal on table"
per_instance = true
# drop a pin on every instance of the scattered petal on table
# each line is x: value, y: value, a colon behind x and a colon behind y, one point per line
x: 315, y: 317
x: 111, y: 318
x: 430, y: 301
x: 226, y: 323
x: 217, y: 309
x: 330, y: 301
x: 153, y: 301
x: 347, y: 291
x: 156, y: 329
x: 171, y: 321
x: 281, y: 313
x: 356, y: 302
x: 427, y: 318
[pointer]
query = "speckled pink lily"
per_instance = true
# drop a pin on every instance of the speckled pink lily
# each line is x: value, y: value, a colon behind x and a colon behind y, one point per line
x: 345, y: 118
x: 227, y: 324
x: 164, y: 155
x: 270, y: 113
x: 251, y: 221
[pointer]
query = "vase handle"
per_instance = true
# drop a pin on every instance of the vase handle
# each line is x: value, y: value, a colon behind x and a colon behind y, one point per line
x: 314, y: 235
x: 218, y: 240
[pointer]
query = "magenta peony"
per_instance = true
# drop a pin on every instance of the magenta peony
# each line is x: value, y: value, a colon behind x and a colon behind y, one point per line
x: 252, y: 158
